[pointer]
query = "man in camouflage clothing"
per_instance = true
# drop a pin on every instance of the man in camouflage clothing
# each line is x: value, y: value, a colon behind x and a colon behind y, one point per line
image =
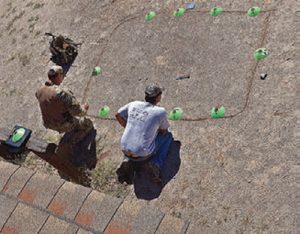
x: 60, y: 109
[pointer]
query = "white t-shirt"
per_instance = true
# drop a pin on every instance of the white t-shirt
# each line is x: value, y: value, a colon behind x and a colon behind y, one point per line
x: 143, y: 122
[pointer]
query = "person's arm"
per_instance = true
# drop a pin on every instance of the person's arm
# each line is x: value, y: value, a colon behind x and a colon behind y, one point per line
x: 121, y: 120
x: 164, y: 124
x: 72, y: 105
x: 122, y: 115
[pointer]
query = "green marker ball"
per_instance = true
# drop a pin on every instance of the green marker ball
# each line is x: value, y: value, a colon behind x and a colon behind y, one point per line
x: 18, y: 135
x: 216, y: 11
x: 217, y: 112
x: 179, y: 12
x: 96, y: 71
x: 254, y: 11
x: 104, y: 112
x: 150, y: 15
x: 176, y: 114
x: 261, y: 53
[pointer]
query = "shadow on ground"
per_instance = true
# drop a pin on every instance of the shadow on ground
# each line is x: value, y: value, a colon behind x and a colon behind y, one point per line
x: 144, y: 188
x: 84, y: 153
x: 82, y: 156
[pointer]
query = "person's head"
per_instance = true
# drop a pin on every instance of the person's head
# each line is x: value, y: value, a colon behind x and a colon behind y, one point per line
x: 153, y: 93
x: 56, y: 74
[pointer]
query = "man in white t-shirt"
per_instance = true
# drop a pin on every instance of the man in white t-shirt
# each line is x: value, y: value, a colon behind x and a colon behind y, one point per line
x: 146, y: 133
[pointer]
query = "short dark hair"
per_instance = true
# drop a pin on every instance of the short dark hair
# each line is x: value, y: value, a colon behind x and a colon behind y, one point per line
x: 152, y: 100
x: 52, y: 74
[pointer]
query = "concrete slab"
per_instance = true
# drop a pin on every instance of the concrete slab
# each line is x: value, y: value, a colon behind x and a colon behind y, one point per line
x: 125, y: 216
x: 171, y: 224
x: 54, y: 225
x: 82, y: 231
x: 147, y: 221
x: 7, y: 206
x: 7, y: 169
x: 97, y: 211
x: 68, y: 200
x: 18, y: 181
x: 41, y: 189
x: 25, y: 220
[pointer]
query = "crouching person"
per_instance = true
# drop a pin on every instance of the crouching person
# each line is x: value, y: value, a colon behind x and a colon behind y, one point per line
x: 60, y: 109
x: 146, y: 136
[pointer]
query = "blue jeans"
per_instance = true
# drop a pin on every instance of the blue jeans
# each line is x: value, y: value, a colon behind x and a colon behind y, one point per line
x: 162, y: 144
x: 66, y: 67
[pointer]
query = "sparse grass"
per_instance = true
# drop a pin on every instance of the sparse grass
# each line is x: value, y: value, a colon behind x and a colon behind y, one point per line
x: 104, y: 179
x: 11, y: 31
x: 24, y: 59
x: 37, y: 33
x: 14, y: 10
x: 11, y: 23
x: 12, y: 92
x: 31, y: 27
x: 9, y: 5
x: 29, y: 4
x: 11, y: 58
x: 9, y: 92
x: 38, y: 5
x: 33, y: 20
x: 34, y: 162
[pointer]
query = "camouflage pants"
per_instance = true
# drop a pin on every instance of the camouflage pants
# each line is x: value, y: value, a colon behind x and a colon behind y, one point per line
x: 77, y: 128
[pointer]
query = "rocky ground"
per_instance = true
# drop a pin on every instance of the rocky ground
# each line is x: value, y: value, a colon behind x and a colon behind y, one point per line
x: 238, y: 174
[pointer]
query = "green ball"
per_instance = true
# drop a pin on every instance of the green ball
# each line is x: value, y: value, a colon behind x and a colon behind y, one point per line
x: 176, y: 114
x: 18, y: 135
x: 96, y: 71
x: 150, y: 15
x: 261, y: 53
x: 179, y: 12
x: 104, y: 112
x: 216, y: 11
x: 254, y: 11
x: 217, y: 112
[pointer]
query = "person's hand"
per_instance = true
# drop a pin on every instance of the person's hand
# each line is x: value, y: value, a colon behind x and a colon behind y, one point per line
x: 86, y: 106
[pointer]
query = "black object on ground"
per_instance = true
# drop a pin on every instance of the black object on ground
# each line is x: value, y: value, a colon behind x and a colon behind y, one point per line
x: 18, y: 139
x: 63, y: 51
x: 263, y: 76
x: 183, y: 77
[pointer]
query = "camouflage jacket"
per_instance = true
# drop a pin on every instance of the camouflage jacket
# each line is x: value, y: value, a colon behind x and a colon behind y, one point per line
x: 58, y: 105
x: 71, y: 103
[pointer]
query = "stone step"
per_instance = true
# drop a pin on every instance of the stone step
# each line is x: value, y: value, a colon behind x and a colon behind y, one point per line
x: 171, y: 224
x: 135, y: 216
x: 56, y: 205
x: 6, y: 169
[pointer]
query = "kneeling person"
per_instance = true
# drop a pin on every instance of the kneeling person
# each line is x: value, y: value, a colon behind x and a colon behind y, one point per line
x: 60, y: 109
x: 146, y: 133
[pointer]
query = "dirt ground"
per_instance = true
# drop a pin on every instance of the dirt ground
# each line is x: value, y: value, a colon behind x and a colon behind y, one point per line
x: 238, y: 174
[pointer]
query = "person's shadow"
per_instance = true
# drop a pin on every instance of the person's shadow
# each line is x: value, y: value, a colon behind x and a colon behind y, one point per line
x: 145, y: 188
x: 83, y: 155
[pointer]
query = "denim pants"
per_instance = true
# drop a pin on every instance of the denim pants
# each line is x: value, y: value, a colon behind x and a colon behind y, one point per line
x: 162, y: 144
x: 66, y: 67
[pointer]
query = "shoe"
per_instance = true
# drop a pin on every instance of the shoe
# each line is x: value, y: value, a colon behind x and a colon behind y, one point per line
x: 178, y: 143
x: 155, y: 173
x: 125, y: 172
